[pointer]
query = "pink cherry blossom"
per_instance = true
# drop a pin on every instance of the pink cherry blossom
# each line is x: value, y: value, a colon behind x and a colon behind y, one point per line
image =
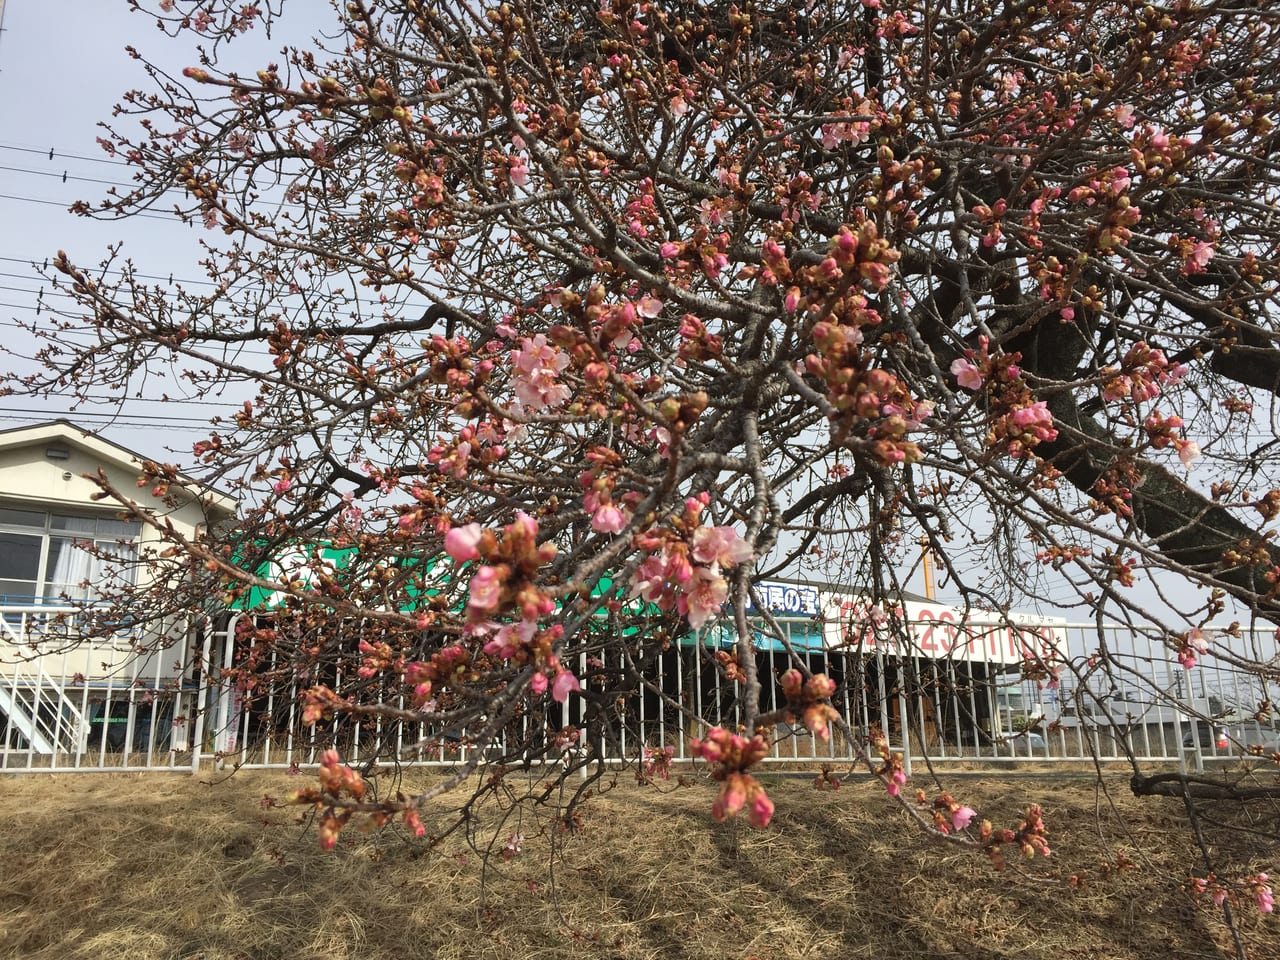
x: 1198, y: 640
x: 537, y: 366
x: 649, y: 307
x: 649, y: 580
x: 1027, y: 426
x: 703, y: 596
x: 966, y: 374
x: 961, y: 817
x: 565, y: 684
x: 1262, y: 892
x: 608, y: 519
x: 485, y: 592
x: 720, y: 545
x: 761, y: 811
x: 1198, y: 258
x: 510, y: 639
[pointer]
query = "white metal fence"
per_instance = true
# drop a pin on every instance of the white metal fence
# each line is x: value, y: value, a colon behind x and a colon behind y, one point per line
x: 152, y: 702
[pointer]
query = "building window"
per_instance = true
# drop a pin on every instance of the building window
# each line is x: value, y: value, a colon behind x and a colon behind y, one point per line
x: 43, y: 556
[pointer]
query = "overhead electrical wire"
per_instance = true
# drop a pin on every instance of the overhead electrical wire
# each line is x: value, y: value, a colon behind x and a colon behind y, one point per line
x: 119, y: 273
x: 65, y: 176
x: 66, y: 206
x: 98, y: 421
x: 52, y: 153
x: 203, y: 421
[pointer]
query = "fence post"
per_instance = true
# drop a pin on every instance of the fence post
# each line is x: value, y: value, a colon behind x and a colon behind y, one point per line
x: 906, y: 729
x: 202, y: 694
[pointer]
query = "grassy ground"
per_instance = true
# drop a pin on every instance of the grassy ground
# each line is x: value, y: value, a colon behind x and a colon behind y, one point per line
x: 159, y: 866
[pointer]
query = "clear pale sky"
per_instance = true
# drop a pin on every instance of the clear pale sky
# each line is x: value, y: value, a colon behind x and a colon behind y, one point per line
x: 63, y: 66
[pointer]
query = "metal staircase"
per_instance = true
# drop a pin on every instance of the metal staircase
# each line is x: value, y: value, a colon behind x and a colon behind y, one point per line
x: 34, y: 706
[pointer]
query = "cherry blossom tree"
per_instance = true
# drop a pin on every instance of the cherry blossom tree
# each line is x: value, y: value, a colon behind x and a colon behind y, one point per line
x: 583, y: 318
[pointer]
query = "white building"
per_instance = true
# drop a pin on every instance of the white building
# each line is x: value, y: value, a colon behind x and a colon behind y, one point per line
x: 59, y: 694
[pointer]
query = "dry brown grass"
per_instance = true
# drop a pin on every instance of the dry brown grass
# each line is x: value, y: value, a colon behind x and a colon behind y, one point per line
x: 165, y: 866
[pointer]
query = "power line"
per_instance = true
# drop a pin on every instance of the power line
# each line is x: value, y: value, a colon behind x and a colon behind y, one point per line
x: 65, y: 176
x: 238, y: 349
x: 67, y: 207
x: 148, y: 418
x: 184, y: 401
x: 106, y: 421
x: 51, y: 292
x: 51, y: 153
x: 120, y: 273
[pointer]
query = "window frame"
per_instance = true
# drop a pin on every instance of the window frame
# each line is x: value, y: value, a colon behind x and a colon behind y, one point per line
x: 47, y: 534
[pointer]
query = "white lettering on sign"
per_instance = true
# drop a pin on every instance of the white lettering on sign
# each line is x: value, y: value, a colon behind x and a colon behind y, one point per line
x: 789, y: 599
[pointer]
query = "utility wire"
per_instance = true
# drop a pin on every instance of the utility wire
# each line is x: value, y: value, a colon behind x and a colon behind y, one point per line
x: 104, y: 420
x: 119, y: 273
x: 67, y: 207
x: 51, y: 152
x: 65, y: 176
x: 183, y: 401
x: 145, y: 420
x: 40, y: 292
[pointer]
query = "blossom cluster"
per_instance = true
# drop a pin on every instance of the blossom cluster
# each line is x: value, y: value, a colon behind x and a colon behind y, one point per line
x: 1256, y: 887
x: 807, y: 700
x: 425, y: 679
x: 598, y: 498
x: 536, y: 366
x: 1030, y: 837
x: 948, y: 813
x: 336, y: 781
x: 891, y: 769
x: 655, y: 763
x: 1023, y: 428
x: 1142, y: 372
x: 1193, y: 645
x: 506, y: 583
x: 683, y: 570
x: 732, y: 755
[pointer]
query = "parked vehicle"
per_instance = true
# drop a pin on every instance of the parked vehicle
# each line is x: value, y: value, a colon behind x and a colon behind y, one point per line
x: 1027, y: 742
x: 1210, y: 736
x: 1237, y: 737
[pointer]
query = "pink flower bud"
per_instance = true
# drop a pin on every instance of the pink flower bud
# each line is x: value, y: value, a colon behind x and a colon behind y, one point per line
x: 1188, y: 452
x: 461, y: 542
